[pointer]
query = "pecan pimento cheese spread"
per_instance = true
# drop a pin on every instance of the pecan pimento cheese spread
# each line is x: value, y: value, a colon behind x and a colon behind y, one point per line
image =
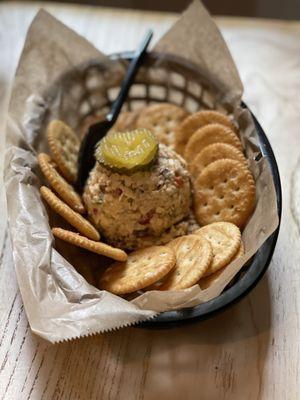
x: 142, y: 208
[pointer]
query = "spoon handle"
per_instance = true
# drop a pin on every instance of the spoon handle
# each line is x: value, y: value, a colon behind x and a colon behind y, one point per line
x: 129, y: 77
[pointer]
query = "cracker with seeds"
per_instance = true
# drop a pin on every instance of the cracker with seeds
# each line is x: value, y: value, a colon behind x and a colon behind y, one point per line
x: 64, y: 145
x: 162, y: 119
x: 213, y: 133
x: 224, y: 191
x: 207, y: 281
x: 66, y: 212
x: 59, y: 184
x: 142, y: 268
x: 193, y: 258
x: 196, y: 121
x: 225, y: 240
x: 214, y: 152
x: 96, y: 247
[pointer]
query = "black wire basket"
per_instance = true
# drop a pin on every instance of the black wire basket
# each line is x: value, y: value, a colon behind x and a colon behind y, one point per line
x: 174, y: 80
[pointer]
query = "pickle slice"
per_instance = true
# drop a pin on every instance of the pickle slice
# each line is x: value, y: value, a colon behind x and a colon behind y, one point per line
x: 127, y: 151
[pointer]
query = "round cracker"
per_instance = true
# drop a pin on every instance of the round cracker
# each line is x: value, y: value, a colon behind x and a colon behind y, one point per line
x: 196, y: 121
x: 126, y: 121
x: 193, y: 258
x: 59, y: 184
x: 207, y: 281
x: 214, y: 152
x: 88, y: 244
x: 64, y: 145
x: 224, y: 191
x: 66, y: 212
x: 162, y: 119
x: 142, y: 268
x: 240, y: 252
x: 213, y: 133
x: 225, y: 240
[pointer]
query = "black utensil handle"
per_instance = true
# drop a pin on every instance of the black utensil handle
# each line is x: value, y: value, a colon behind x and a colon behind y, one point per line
x: 129, y: 77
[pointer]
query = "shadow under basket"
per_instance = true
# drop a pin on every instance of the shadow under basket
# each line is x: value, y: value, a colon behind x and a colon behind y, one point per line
x: 166, y: 79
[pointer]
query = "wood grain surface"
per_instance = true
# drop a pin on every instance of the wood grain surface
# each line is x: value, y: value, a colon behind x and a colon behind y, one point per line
x: 251, y: 351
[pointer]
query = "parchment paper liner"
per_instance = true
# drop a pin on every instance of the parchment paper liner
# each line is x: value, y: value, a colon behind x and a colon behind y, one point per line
x: 59, y: 303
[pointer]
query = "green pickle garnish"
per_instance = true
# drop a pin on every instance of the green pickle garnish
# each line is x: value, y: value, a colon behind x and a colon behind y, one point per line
x: 127, y: 151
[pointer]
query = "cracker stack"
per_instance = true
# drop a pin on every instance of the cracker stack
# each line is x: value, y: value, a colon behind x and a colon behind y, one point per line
x: 224, y: 188
x: 64, y: 146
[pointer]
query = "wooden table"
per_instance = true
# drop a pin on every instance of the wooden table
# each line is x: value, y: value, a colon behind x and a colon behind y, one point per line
x: 251, y: 351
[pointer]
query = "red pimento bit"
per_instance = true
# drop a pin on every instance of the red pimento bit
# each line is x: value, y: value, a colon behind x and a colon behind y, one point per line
x: 178, y: 181
x: 117, y: 192
x: 145, y: 220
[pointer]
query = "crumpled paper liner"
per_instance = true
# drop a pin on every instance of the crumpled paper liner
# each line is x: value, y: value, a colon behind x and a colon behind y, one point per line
x: 61, y: 304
